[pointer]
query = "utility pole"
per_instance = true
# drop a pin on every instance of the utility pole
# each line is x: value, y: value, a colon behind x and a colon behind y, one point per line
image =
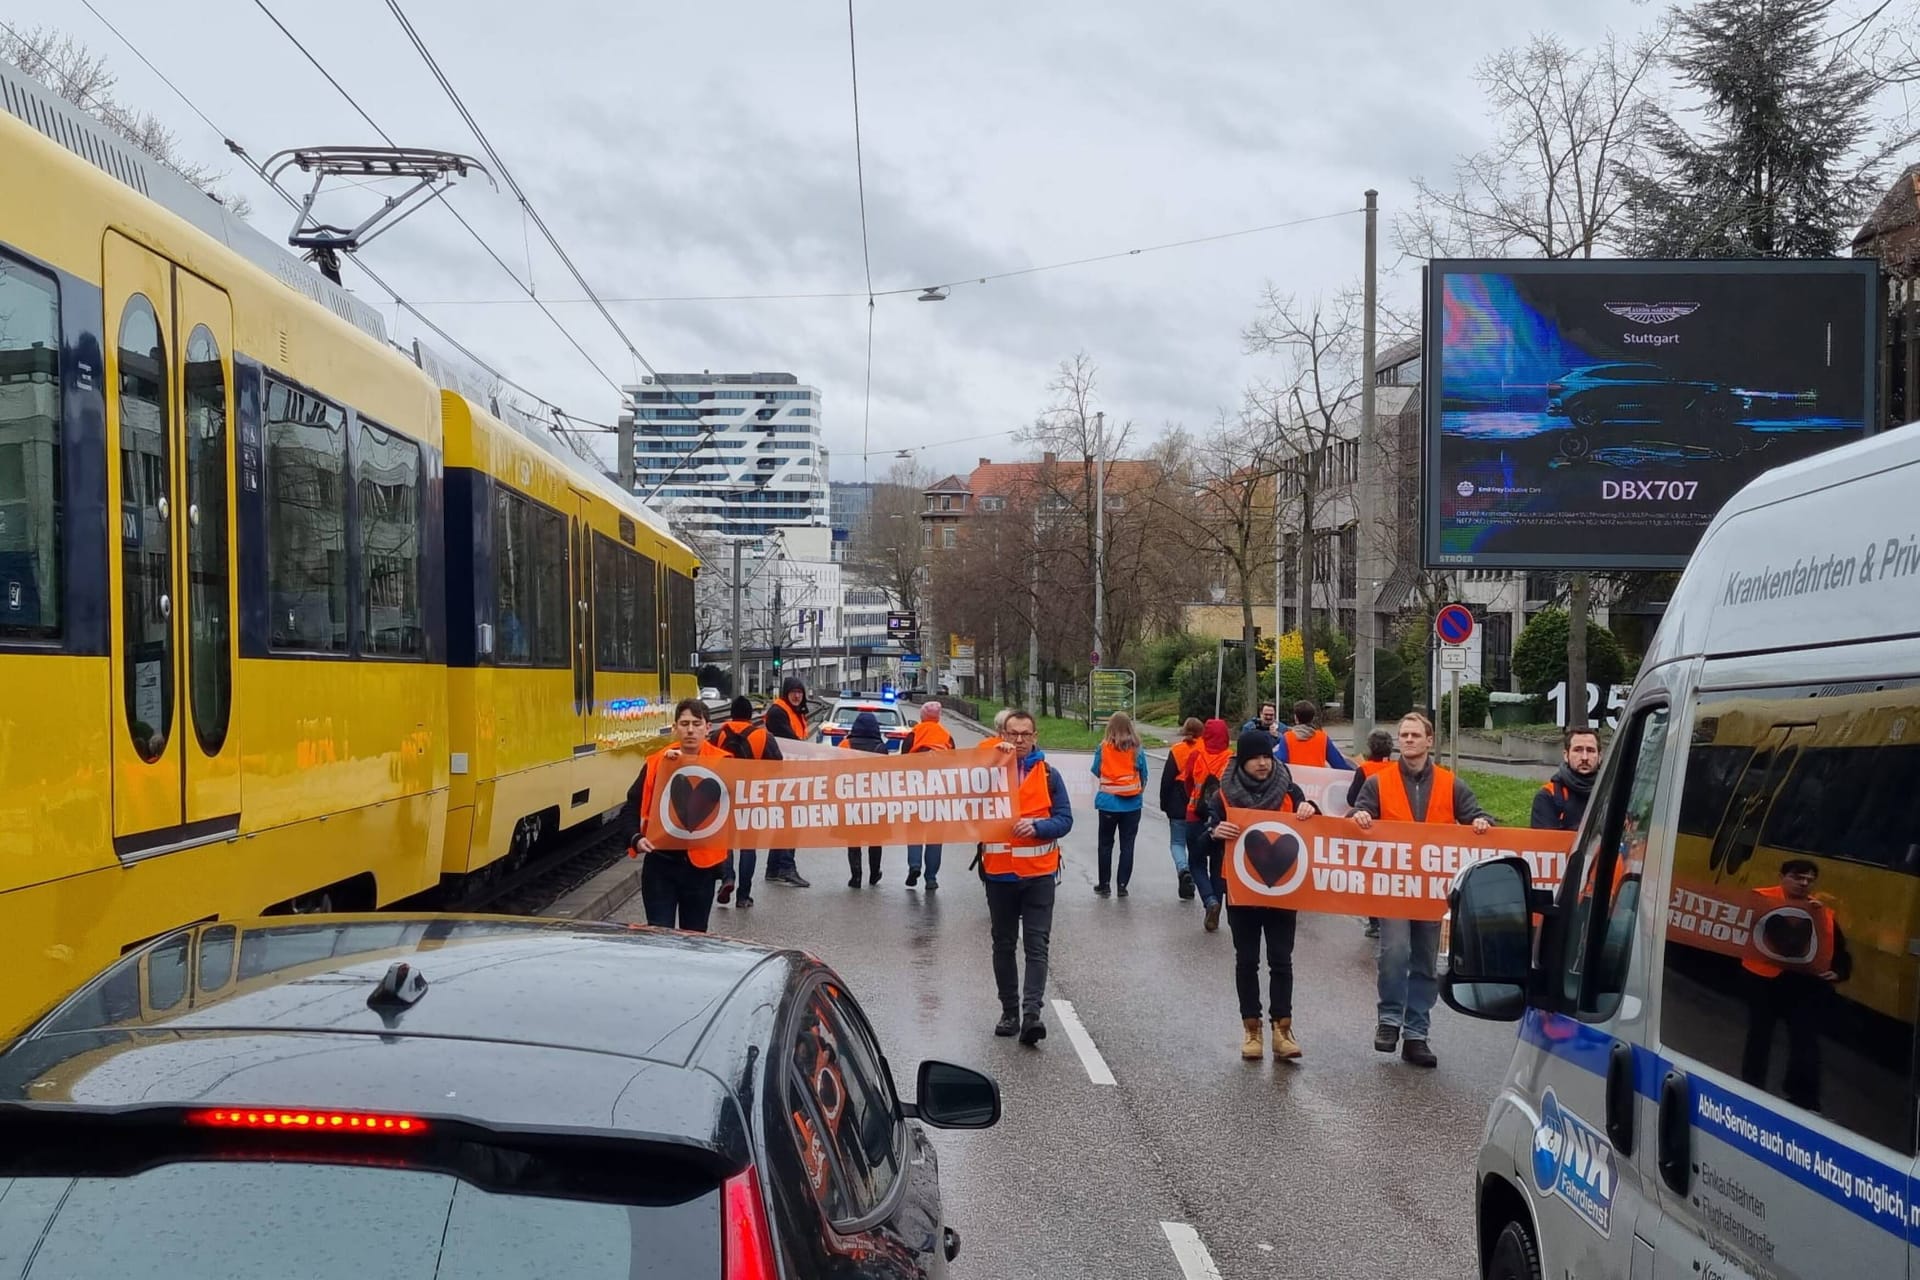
x: 1099, y: 545
x: 776, y: 630
x: 1367, y: 541
x: 739, y: 588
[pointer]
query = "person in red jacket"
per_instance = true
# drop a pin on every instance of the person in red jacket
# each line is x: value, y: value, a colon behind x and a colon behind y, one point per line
x: 1206, y: 765
x: 676, y: 885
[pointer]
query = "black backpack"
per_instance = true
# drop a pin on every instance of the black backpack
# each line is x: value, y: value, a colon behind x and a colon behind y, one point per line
x: 1203, y: 804
x: 732, y: 740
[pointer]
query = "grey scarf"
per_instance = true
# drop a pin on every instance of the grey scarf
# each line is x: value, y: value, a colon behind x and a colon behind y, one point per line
x: 1243, y: 791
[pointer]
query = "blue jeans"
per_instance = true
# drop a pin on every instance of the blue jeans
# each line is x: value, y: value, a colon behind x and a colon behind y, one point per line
x: 749, y: 860
x: 932, y: 860
x: 1408, y: 959
x: 1178, y: 838
x: 1203, y: 860
x: 780, y: 862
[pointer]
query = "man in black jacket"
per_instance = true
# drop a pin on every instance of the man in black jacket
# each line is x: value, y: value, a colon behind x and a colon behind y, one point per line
x: 1562, y: 801
x: 787, y: 718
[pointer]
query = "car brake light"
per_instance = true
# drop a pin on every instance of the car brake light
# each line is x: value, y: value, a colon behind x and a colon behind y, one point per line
x: 746, y: 1243
x: 309, y: 1121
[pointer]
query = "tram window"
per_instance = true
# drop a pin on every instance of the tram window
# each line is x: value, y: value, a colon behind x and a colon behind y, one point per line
x: 146, y: 541
x: 513, y: 580
x: 209, y: 650
x: 30, y: 512
x: 614, y: 574
x: 553, y: 632
x: 646, y: 615
x: 386, y: 476
x: 1837, y: 1035
x: 307, y: 521
x: 680, y: 629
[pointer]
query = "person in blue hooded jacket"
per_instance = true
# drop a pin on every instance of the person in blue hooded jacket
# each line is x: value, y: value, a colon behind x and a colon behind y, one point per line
x: 865, y: 735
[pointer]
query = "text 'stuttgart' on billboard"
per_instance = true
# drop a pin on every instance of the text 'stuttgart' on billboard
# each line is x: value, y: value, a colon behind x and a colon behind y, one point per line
x: 854, y: 798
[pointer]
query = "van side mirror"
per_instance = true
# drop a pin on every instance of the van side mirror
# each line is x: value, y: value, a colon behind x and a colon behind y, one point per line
x: 954, y: 1097
x: 1490, y: 960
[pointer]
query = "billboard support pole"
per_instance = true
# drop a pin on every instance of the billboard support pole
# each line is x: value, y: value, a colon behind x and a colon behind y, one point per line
x: 1367, y: 539
x: 1453, y: 721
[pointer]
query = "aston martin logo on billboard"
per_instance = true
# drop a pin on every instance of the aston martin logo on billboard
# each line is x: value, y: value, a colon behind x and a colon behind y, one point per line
x: 1652, y: 312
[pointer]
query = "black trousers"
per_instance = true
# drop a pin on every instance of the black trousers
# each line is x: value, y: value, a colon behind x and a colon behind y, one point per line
x: 1021, y: 908
x: 873, y: 857
x: 1127, y: 827
x: 1277, y: 926
x: 1800, y: 1000
x: 675, y: 893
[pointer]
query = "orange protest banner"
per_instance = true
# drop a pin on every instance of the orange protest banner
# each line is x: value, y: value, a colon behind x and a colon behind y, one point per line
x: 932, y: 797
x: 1767, y: 932
x: 1397, y: 870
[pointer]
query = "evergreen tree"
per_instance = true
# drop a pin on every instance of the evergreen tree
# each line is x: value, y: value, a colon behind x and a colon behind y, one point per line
x: 1776, y: 169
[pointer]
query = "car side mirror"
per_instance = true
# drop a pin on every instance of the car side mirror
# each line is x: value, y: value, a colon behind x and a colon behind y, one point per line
x: 954, y: 1097
x: 1490, y: 960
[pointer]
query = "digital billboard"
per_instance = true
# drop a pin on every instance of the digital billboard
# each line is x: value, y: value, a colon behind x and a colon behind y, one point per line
x: 1595, y: 414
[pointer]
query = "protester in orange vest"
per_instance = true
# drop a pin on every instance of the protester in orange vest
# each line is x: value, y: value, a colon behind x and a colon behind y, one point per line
x: 1562, y: 799
x: 1021, y: 876
x: 676, y: 885
x: 1120, y: 763
x: 1174, y: 800
x: 928, y: 735
x: 787, y: 718
x: 1258, y: 781
x: 1306, y: 743
x: 739, y: 737
x: 1379, y: 757
x: 1418, y: 790
x: 1206, y: 765
x: 1800, y: 999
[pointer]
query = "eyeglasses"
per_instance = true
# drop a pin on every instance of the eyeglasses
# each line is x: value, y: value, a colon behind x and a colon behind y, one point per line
x: 1013, y: 735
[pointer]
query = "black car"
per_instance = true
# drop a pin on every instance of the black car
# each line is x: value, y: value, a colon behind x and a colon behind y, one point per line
x: 379, y: 1096
x: 1596, y: 394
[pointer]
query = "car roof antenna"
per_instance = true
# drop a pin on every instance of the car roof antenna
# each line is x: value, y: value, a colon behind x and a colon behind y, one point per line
x: 400, y: 988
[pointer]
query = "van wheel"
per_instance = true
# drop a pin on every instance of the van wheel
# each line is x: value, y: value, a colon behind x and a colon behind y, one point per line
x: 1514, y: 1256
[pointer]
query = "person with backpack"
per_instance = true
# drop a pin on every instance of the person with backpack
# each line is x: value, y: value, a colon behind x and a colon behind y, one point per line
x: 741, y: 739
x: 1204, y: 769
x: 1174, y: 800
x: 1307, y: 744
x: 1258, y: 781
x: 928, y: 735
x: 1120, y: 763
x: 787, y: 718
x: 865, y: 735
x: 1379, y: 758
x: 1562, y: 799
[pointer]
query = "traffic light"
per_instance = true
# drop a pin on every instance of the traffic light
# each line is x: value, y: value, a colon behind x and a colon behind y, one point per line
x: 776, y: 659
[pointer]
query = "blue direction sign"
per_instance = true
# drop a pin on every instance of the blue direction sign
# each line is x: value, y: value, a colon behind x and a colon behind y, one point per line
x: 1454, y: 624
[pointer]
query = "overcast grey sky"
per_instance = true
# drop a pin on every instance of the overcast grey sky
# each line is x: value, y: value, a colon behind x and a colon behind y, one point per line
x: 708, y: 149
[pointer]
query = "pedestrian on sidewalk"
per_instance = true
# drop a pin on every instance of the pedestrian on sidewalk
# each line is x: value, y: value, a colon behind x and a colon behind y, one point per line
x: 1416, y: 790
x: 1307, y: 744
x: 1174, y: 800
x: 740, y: 738
x: 1268, y: 721
x: 928, y: 735
x: 1205, y: 767
x: 1120, y: 764
x: 787, y: 718
x: 865, y: 735
x: 1021, y: 877
x: 1258, y: 781
x: 1562, y: 799
x: 1379, y: 756
x: 676, y: 885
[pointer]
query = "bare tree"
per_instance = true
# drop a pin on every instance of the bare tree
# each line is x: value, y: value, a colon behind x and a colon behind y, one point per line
x: 888, y: 551
x: 1574, y: 131
x: 83, y: 78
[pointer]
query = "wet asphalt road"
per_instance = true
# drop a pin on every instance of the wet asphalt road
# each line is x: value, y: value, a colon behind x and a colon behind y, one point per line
x: 1350, y: 1163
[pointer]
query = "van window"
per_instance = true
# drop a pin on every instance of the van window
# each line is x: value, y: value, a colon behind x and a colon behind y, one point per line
x: 1607, y: 869
x: 1819, y: 822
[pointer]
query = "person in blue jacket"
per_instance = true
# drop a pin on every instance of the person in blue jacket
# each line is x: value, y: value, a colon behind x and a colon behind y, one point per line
x: 1120, y: 767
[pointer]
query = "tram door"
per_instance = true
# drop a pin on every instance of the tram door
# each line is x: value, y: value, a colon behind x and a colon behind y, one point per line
x: 580, y: 578
x: 169, y: 385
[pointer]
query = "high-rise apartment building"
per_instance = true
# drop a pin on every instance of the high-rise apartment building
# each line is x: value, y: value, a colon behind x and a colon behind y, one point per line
x: 729, y: 454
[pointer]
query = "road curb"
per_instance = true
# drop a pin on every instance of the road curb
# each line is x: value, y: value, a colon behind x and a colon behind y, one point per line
x: 601, y: 896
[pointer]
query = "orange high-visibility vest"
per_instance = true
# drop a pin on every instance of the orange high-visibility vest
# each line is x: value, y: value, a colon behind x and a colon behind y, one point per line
x: 1396, y: 806
x: 1368, y: 768
x: 657, y: 770
x: 1026, y: 856
x: 1753, y: 962
x: 1311, y: 752
x: 755, y: 738
x: 796, y: 720
x: 929, y: 735
x: 1119, y: 774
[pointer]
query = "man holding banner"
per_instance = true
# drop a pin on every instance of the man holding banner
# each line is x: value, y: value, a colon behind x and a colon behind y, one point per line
x: 1020, y: 876
x: 1418, y: 791
x: 676, y: 885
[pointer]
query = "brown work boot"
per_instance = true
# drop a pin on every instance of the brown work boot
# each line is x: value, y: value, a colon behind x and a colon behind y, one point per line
x: 1251, y: 1048
x: 1285, y: 1047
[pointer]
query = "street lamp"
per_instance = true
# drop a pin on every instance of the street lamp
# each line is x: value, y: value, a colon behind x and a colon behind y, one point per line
x: 933, y: 293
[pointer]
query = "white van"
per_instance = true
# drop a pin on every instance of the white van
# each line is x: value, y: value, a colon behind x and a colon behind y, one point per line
x: 1726, y: 1086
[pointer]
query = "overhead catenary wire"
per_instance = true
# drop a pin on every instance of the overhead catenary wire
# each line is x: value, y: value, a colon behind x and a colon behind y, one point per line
x: 866, y: 253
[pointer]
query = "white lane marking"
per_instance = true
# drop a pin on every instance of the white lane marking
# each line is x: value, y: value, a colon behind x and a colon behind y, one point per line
x: 1188, y: 1250
x: 1097, y: 1070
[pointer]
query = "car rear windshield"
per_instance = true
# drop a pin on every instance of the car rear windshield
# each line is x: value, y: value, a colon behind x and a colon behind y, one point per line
x: 297, y: 1221
x: 888, y: 717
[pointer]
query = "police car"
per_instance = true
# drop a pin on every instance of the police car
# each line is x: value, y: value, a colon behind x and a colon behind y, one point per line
x: 895, y: 726
x: 1715, y: 1073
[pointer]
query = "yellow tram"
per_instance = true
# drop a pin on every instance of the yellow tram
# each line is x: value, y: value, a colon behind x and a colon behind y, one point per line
x: 314, y: 632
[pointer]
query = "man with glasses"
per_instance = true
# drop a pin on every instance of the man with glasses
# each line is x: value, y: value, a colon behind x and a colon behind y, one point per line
x: 1020, y: 876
